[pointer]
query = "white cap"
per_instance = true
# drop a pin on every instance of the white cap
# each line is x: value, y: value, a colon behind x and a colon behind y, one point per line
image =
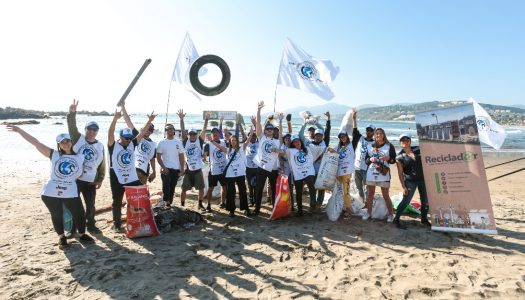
x: 294, y: 137
x: 319, y: 131
x: 62, y: 136
x: 404, y: 135
x: 192, y: 130
x: 126, y: 132
x: 91, y: 123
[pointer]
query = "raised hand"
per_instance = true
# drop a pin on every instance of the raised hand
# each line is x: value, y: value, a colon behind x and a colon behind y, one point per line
x: 73, y: 106
x: 221, y: 119
x: 118, y: 114
x: 254, y: 120
x: 260, y: 105
x: 207, y: 115
x: 152, y: 116
x: 327, y: 114
x: 281, y: 116
x: 181, y: 113
x: 13, y: 128
x: 354, y: 112
x: 289, y: 117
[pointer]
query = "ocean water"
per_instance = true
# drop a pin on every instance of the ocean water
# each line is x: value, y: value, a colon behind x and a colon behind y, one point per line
x: 18, y: 155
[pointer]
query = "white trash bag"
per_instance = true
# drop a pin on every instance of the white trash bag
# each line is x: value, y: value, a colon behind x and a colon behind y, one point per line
x: 379, y: 209
x: 334, y: 208
x: 327, y: 175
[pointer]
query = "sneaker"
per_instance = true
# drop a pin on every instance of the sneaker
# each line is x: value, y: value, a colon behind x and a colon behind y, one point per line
x: 222, y: 206
x: 94, y: 230
x: 247, y: 213
x: 116, y: 228
x: 70, y: 235
x: 399, y: 225
x: 62, y: 242
x: 201, y: 207
x: 86, y: 239
x: 390, y: 219
x: 208, y: 208
x: 366, y: 215
x: 426, y: 223
x: 231, y: 214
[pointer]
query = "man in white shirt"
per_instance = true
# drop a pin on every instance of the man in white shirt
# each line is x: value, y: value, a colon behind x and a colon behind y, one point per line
x: 170, y: 156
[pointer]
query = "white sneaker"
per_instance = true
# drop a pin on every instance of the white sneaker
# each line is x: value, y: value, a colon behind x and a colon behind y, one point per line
x: 366, y: 215
x: 390, y: 219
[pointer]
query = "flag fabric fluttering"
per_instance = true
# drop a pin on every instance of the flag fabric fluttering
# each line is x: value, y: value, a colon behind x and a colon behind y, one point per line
x: 489, y: 132
x: 300, y: 70
x: 187, y: 56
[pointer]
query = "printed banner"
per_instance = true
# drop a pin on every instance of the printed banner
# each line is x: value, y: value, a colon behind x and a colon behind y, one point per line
x: 455, y: 178
x: 216, y: 115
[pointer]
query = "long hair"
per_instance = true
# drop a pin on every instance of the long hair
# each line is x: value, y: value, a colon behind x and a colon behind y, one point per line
x: 303, y: 147
x: 237, y: 139
x: 384, y: 137
x: 341, y: 144
x: 61, y: 152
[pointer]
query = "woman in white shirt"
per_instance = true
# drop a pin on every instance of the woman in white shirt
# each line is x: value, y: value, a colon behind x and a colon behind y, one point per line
x: 61, y: 188
x: 235, y: 174
x: 302, y: 165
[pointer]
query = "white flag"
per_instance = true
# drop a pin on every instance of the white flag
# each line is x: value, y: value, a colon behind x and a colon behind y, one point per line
x: 490, y: 132
x: 300, y: 70
x: 187, y: 56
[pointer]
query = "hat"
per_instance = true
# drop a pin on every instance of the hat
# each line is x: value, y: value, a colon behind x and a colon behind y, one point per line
x: 268, y: 125
x: 215, y: 129
x: 194, y: 130
x: 294, y: 137
x: 126, y: 132
x: 91, y: 123
x: 342, y: 132
x: 319, y: 131
x: 62, y: 136
x: 311, y: 128
x: 370, y: 126
x: 287, y: 134
x: 404, y: 135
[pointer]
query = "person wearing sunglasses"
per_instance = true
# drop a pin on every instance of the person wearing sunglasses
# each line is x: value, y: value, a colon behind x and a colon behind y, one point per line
x: 94, y: 167
x: 122, y: 171
x: 61, y: 188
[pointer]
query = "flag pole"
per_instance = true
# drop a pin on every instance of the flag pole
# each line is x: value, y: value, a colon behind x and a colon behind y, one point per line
x: 278, y: 72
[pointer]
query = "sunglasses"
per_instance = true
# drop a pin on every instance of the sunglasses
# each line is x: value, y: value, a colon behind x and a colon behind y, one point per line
x: 404, y: 140
x: 94, y: 129
x: 268, y: 128
x: 369, y: 129
x: 126, y: 138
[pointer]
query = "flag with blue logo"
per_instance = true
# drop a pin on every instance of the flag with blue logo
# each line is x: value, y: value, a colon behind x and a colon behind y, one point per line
x: 489, y: 132
x: 302, y: 71
x: 187, y: 56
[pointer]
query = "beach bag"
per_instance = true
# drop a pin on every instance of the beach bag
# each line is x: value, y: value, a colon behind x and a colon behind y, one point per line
x: 379, y: 209
x: 334, y: 208
x: 140, y: 221
x: 282, y: 199
x: 327, y: 175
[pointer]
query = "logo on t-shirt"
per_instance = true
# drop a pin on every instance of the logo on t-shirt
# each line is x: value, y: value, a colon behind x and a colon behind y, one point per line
x: 300, y: 158
x: 145, y: 148
x: 267, y: 146
x: 89, y: 152
x: 65, y: 167
x: 124, y: 158
x: 218, y: 154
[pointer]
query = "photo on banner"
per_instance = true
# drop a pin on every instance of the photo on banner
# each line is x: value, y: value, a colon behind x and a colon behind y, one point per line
x: 454, y: 171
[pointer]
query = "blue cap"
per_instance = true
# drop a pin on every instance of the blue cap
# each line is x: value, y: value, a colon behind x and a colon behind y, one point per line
x: 370, y: 126
x: 268, y: 125
x: 294, y: 137
x: 194, y: 130
x: 126, y: 132
x: 215, y: 129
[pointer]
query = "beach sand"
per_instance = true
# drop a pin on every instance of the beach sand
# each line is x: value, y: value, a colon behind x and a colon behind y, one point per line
x: 308, y: 257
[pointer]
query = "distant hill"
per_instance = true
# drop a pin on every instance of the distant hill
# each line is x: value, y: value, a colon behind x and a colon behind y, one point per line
x: 333, y: 108
x: 501, y: 114
x: 518, y: 106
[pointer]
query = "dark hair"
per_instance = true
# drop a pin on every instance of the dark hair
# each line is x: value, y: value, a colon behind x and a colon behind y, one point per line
x: 384, y: 137
x: 168, y: 125
x: 237, y: 138
x: 303, y: 147
x: 341, y: 143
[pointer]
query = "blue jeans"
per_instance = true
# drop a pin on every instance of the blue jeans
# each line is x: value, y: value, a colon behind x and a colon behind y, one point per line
x: 411, y: 187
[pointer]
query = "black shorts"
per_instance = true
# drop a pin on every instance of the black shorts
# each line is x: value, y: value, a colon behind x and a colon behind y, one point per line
x: 213, y: 179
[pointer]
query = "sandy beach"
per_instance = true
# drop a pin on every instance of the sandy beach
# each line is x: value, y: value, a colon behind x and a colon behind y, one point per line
x: 307, y: 258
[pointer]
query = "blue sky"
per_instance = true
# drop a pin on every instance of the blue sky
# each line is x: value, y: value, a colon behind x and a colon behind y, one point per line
x: 388, y: 51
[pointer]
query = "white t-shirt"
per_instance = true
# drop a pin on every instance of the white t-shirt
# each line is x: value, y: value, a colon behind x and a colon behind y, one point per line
x: 193, y: 151
x: 238, y: 166
x: 266, y: 157
x: 170, y: 151
x: 93, y: 156
x: 122, y: 161
x: 360, y: 155
x: 217, y: 158
x: 372, y: 174
x: 65, y: 169
x: 251, y: 152
x: 346, y: 160
x: 302, y: 164
x: 144, y: 152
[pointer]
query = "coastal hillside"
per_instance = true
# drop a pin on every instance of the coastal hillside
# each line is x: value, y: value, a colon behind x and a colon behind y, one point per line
x: 19, y: 113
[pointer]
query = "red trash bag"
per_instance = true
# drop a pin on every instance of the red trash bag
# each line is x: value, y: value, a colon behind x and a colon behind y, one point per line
x: 283, y: 205
x: 140, y: 221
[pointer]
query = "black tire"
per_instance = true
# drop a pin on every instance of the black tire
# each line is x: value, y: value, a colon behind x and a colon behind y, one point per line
x: 194, y: 75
